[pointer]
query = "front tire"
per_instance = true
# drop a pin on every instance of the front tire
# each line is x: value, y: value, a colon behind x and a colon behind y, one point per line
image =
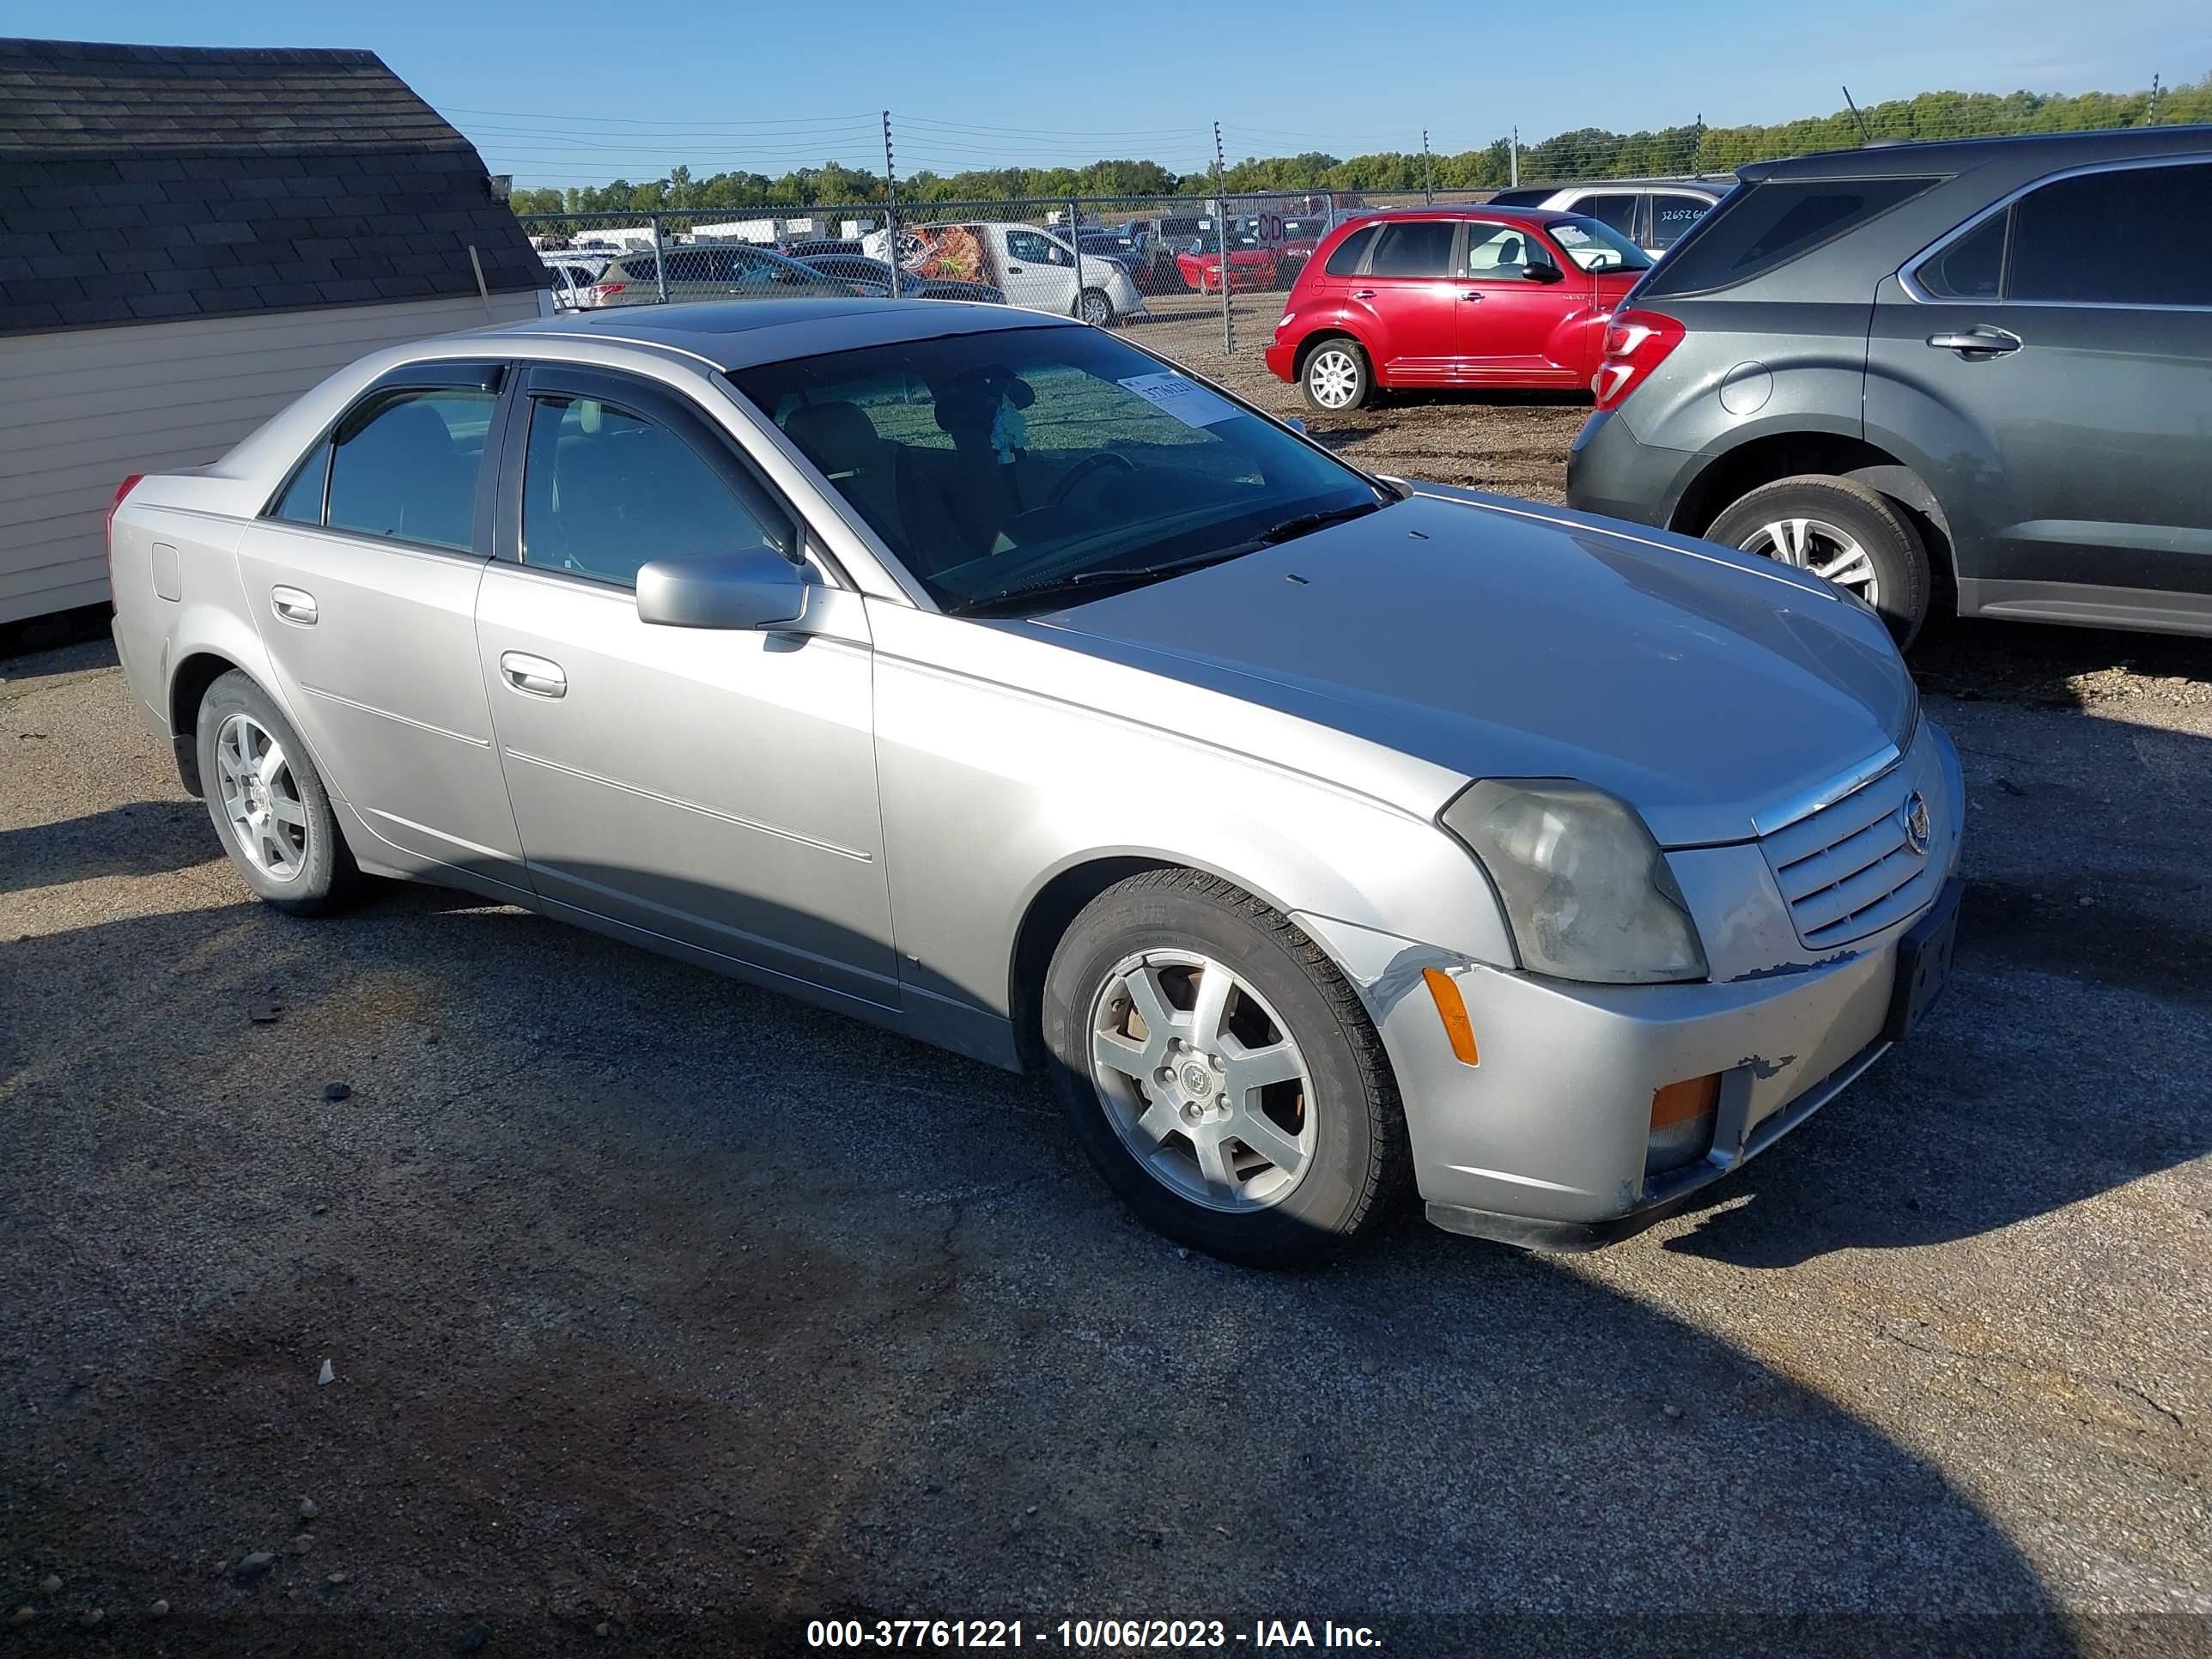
x: 1843, y: 532
x: 1250, y: 1112
x: 1335, y: 377
x: 269, y: 802
x: 1092, y: 307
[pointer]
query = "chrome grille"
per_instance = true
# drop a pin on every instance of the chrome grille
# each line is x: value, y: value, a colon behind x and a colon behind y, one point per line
x: 1848, y: 870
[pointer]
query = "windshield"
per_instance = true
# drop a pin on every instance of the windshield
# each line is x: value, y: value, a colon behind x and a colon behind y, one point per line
x: 1018, y: 458
x: 1596, y: 246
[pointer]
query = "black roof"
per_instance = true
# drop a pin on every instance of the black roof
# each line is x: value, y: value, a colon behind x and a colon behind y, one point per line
x: 142, y: 184
x: 1950, y: 156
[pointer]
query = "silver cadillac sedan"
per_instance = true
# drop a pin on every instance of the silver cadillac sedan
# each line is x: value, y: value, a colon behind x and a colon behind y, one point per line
x: 976, y: 673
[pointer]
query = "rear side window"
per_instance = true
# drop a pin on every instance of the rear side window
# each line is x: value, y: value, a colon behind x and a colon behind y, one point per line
x: 1422, y: 248
x: 1972, y: 268
x: 302, y: 499
x: 1671, y: 215
x: 2129, y: 236
x: 404, y: 464
x: 1758, y: 229
x: 1350, y: 251
x: 1618, y: 210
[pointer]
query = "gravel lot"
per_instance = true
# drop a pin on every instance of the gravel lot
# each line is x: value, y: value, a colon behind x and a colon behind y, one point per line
x: 658, y: 1305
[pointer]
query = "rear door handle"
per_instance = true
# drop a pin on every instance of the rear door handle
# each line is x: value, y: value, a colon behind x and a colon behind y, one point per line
x: 1362, y: 293
x: 294, y: 604
x: 534, y: 676
x: 1981, y: 341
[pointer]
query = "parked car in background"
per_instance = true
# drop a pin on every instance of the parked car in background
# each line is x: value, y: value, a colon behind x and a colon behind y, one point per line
x: 725, y: 270
x: 975, y: 674
x: 1653, y: 213
x: 1464, y: 296
x: 1975, y: 373
x: 572, y: 279
x: 1033, y: 268
x: 804, y: 247
x: 876, y: 276
x: 1254, y: 263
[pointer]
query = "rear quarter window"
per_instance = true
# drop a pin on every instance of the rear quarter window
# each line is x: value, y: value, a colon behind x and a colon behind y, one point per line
x: 1766, y: 226
x: 1350, y: 251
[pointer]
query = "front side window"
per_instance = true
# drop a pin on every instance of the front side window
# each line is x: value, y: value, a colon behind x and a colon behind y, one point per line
x: 2126, y: 236
x: 1005, y: 466
x: 1672, y: 214
x: 1504, y: 253
x: 604, y: 491
x: 1420, y: 248
x: 405, y: 463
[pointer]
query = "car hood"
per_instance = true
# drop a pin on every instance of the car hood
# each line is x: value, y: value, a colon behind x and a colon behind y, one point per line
x: 1702, y: 686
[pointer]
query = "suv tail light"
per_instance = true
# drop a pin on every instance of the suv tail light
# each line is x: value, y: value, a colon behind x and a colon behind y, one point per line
x: 1636, y: 343
x: 113, y: 507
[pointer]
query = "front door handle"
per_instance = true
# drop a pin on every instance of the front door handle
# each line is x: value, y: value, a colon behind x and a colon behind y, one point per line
x: 1362, y: 293
x: 1472, y: 296
x: 1980, y: 342
x: 1013, y: 270
x: 534, y: 676
x: 294, y: 604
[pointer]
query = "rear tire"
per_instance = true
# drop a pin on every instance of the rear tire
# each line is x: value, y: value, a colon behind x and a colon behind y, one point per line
x: 1092, y: 307
x: 1335, y: 376
x: 1303, y: 1149
x: 268, y: 802
x: 1835, y: 528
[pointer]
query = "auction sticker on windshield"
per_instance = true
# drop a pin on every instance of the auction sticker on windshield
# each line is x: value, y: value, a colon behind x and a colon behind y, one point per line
x: 1188, y: 401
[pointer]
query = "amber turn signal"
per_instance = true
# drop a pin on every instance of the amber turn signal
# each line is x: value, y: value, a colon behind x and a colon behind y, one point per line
x: 1679, y: 1103
x: 1451, y: 1008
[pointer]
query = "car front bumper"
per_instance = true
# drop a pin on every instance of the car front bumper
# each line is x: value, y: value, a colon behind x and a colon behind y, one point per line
x: 1545, y: 1140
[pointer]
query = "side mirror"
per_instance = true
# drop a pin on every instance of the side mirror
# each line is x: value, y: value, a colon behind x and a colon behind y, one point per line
x: 1545, y: 273
x: 755, y: 588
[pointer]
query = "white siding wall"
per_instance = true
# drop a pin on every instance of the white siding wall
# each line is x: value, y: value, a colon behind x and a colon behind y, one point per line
x: 82, y: 410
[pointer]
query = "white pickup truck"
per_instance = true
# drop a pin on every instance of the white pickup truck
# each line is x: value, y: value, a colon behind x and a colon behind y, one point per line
x: 1034, y: 268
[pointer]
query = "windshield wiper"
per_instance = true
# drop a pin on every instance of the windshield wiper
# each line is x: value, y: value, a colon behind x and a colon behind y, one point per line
x: 1137, y: 575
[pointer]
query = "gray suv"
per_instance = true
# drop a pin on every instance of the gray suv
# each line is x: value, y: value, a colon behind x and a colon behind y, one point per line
x: 1974, y: 374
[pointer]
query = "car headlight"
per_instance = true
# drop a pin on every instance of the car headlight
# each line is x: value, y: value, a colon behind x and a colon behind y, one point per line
x: 1585, y: 885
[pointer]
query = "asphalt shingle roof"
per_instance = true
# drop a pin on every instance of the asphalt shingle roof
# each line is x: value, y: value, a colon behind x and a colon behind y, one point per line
x: 139, y: 184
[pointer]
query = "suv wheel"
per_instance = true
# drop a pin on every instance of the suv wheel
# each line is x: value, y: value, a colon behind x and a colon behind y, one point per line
x: 1220, y: 1072
x: 1336, y: 377
x: 1843, y: 532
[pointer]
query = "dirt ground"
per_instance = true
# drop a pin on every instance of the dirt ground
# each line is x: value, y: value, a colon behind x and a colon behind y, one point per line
x: 661, y: 1315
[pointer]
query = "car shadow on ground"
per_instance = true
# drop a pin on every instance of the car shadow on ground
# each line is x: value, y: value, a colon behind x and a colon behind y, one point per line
x: 654, y: 1298
x: 2045, y: 665
x: 141, y: 839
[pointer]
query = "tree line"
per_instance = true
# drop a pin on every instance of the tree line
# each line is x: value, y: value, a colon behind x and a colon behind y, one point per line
x: 1585, y: 153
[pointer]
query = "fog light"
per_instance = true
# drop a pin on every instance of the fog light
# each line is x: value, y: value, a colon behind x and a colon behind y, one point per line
x: 1451, y: 1008
x: 1682, y: 1118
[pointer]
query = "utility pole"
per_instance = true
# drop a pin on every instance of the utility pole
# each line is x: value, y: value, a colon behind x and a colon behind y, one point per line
x: 1428, y: 177
x: 1513, y: 157
x: 890, y: 212
x: 1221, y: 241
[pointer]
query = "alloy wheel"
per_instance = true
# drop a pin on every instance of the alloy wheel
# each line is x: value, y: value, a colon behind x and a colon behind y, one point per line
x: 261, y: 798
x: 1820, y: 549
x: 1202, y: 1081
x: 1334, y: 377
x: 1098, y: 310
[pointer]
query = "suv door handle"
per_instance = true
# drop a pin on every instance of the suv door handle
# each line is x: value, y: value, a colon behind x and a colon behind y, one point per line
x: 534, y: 676
x: 294, y: 604
x: 1979, y: 342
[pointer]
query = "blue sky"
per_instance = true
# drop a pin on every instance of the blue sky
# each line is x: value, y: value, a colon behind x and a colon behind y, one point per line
x: 556, y: 93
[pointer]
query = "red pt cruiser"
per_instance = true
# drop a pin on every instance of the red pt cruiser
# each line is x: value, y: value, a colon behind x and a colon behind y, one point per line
x: 1252, y: 264
x: 1452, y: 296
